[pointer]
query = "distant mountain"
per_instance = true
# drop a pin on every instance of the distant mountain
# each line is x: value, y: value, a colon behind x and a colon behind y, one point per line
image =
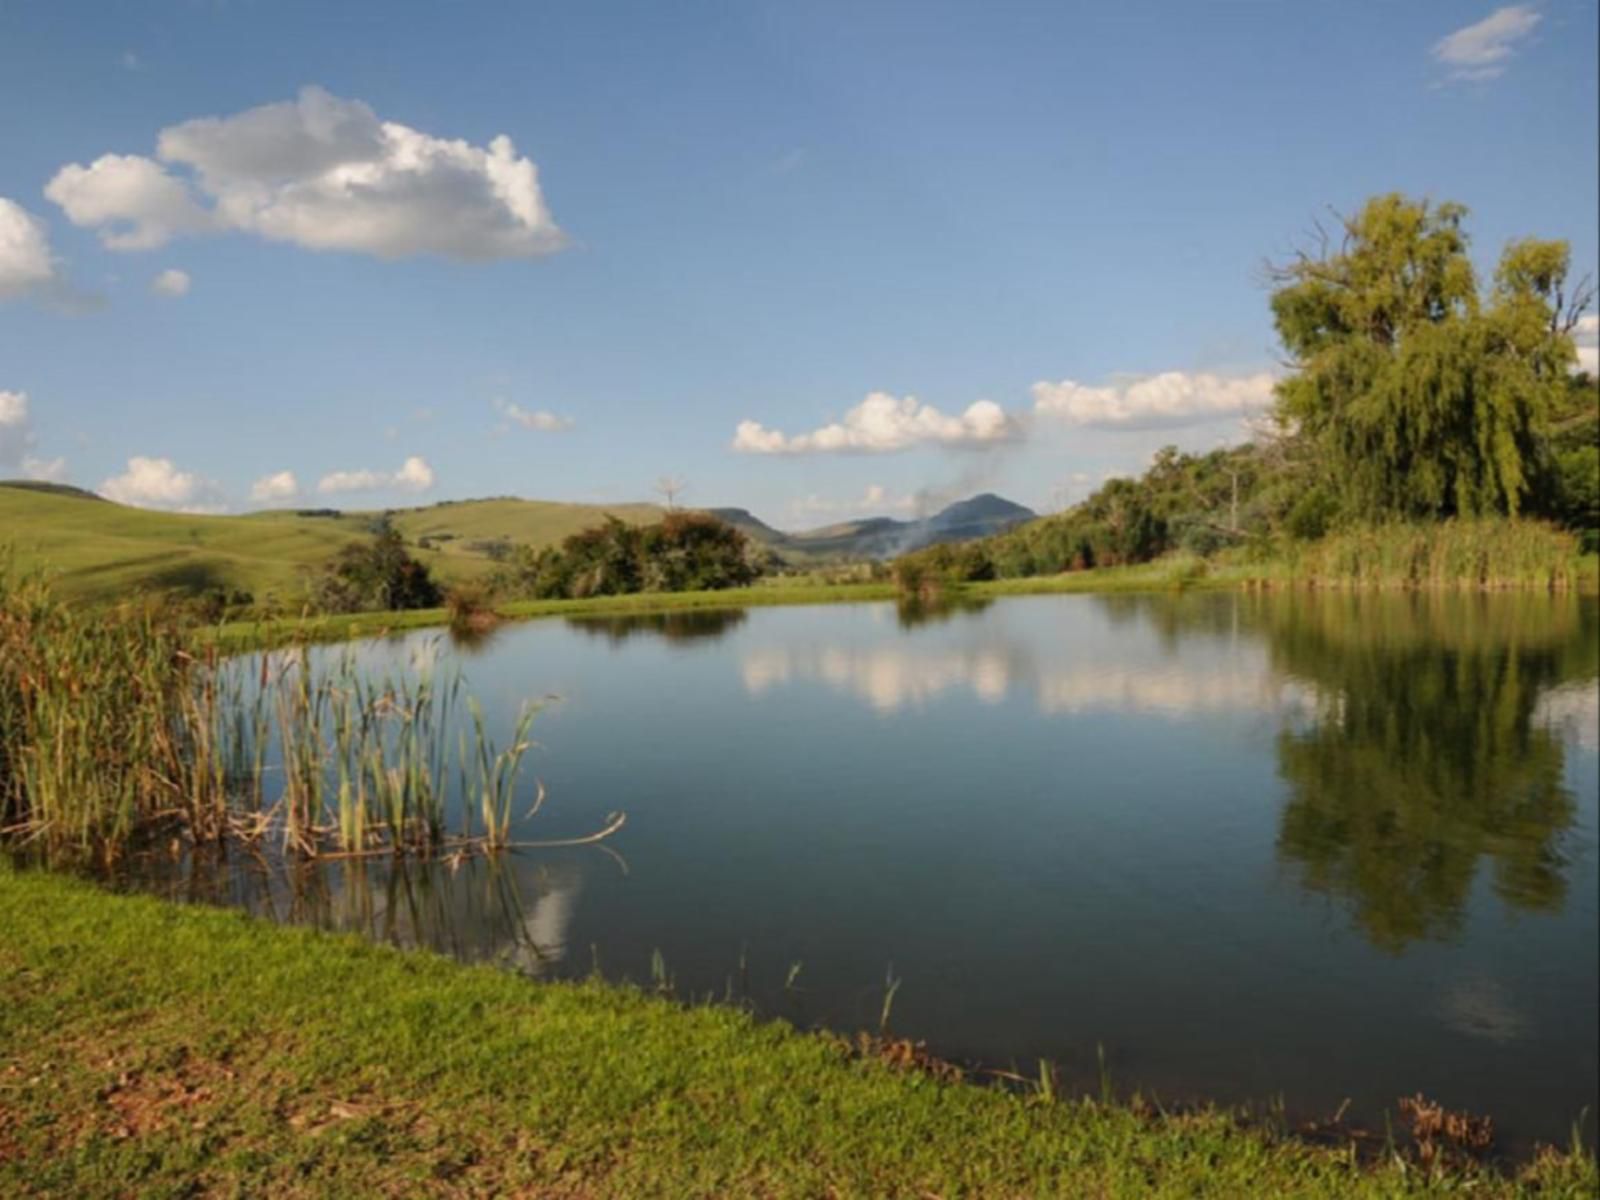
x: 882, y: 537
x: 977, y: 517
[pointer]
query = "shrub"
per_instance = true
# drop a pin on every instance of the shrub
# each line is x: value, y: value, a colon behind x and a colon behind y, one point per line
x: 375, y: 575
x: 685, y: 551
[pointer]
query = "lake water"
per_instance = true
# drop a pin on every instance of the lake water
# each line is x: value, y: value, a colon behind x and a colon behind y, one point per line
x: 1315, y: 846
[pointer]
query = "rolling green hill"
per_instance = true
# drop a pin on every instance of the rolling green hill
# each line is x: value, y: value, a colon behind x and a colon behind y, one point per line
x: 460, y: 531
x: 99, y: 550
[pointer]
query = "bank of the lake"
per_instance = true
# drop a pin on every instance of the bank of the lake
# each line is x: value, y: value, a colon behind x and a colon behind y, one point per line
x: 1179, y: 573
x: 160, y: 1049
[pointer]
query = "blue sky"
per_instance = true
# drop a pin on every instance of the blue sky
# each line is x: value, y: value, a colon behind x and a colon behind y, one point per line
x: 748, y: 219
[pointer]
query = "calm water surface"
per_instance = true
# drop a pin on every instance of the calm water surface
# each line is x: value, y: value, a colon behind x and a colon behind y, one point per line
x: 1322, y: 847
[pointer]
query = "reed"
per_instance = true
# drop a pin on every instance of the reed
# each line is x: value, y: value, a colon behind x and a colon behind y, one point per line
x: 1472, y: 554
x: 114, y: 727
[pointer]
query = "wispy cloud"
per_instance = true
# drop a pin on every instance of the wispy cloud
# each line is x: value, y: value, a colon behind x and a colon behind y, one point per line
x: 414, y: 475
x: 535, y: 419
x: 275, y: 488
x: 882, y: 424
x: 875, y: 500
x: 171, y: 282
x: 1484, y: 50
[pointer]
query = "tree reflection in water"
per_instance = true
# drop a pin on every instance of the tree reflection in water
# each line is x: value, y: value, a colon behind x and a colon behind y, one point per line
x: 684, y: 625
x: 1427, y: 758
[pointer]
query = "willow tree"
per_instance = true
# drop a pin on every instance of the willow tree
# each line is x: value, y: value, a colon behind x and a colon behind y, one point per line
x: 1419, y: 396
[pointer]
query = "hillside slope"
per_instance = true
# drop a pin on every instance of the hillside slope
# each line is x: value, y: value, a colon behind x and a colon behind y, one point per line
x: 99, y: 550
x: 463, y: 528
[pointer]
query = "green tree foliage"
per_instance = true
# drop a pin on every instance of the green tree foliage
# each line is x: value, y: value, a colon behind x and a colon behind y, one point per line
x: 685, y: 551
x: 1196, y: 502
x: 375, y: 575
x: 1414, y: 396
x: 1573, y: 464
x: 1422, y: 398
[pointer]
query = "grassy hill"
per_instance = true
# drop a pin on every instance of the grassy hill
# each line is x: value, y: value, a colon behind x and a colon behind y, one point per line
x: 460, y: 531
x: 99, y: 550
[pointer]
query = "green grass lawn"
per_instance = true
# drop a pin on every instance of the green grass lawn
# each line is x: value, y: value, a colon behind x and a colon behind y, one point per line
x: 159, y: 1050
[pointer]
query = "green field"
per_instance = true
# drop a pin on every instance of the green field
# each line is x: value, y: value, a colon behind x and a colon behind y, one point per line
x: 98, y: 550
x: 164, y: 1051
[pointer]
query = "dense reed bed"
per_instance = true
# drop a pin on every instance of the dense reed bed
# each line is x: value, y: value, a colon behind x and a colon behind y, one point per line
x: 118, y: 725
x: 1484, y: 554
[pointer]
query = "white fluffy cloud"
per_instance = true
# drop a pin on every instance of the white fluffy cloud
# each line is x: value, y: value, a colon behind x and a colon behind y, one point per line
x: 1170, y: 399
x: 536, y: 419
x: 26, y: 264
x: 157, y: 483
x: 414, y: 475
x: 279, y: 486
x: 882, y: 423
x: 1587, y: 336
x: 323, y: 173
x: 1482, y: 51
x: 132, y: 200
x: 171, y: 282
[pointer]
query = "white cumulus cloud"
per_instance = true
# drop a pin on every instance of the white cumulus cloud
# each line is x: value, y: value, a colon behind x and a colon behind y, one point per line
x: 536, y: 419
x: 171, y: 282
x: 26, y: 263
x: 1170, y: 399
x: 1482, y: 50
x: 323, y: 173
x: 157, y: 483
x: 882, y: 423
x: 131, y: 200
x: 414, y: 475
x: 280, y: 485
x: 1586, y: 335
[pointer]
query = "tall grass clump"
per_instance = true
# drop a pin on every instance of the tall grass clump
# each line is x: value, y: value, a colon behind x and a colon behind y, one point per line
x: 92, y: 740
x: 1490, y: 554
x: 113, y: 726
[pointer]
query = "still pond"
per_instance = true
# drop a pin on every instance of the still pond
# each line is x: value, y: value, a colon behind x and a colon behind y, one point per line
x: 1315, y: 847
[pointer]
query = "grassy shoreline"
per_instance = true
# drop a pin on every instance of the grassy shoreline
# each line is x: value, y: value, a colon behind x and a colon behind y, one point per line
x: 161, y: 1049
x: 1160, y: 576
